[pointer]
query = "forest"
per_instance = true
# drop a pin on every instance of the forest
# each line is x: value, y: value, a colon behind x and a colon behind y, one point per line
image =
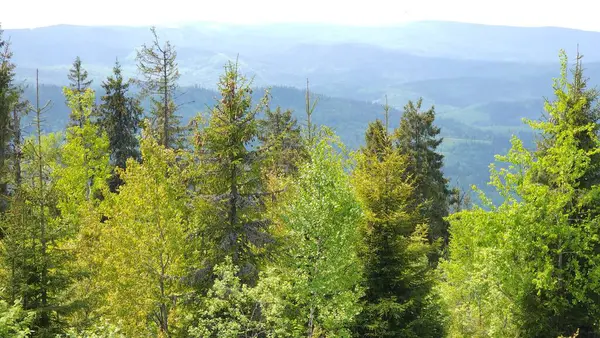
x: 248, y: 222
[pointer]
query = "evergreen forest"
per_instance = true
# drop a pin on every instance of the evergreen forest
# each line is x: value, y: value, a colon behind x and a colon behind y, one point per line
x: 250, y: 221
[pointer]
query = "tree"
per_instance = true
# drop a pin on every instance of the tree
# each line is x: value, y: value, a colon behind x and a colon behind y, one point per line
x: 231, y: 208
x: 79, y: 177
x: 85, y: 154
x: 119, y: 119
x: 9, y: 97
x: 31, y: 252
x: 282, y: 145
x: 320, y: 221
x: 417, y: 138
x: 395, y: 248
x: 141, y: 253
x: 159, y: 71
x: 378, y: 141
x: 79, y: 83
x: 310, y: 108
x: 233, y: 309
x: 529, y: 267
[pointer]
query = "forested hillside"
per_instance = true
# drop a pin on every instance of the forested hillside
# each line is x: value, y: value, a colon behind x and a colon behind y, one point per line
x: 132, y: 205
x: 481, y: 79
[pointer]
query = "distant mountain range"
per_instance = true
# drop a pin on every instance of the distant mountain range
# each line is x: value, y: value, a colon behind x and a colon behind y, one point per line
x: 482, y: 79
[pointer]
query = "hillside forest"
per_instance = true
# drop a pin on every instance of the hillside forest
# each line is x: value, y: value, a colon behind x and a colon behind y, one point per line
x: 246, y: 221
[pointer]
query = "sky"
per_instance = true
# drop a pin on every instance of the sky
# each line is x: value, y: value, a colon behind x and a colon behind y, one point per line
x: 38, y: 13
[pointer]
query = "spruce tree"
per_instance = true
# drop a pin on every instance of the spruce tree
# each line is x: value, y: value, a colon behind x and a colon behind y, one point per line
x: 120, y: 117
x: 79, y: 82
x: 282, y: 146
x: 378, y: 141
x: 31, y: 250
x: 232, y: 193
x: 395, y: 247
x: 8, y: 99
x: 159, y: 75
x: 418, y: 138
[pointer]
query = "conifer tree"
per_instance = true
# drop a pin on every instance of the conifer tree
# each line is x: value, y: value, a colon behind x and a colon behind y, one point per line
x: 232, y: 191
x: 395, y: 246
x: 9, y: 97
x: 79, y: 82
x: 31, y: 250
x: 282, y: 146
x: 119, y: 118
x: 418, y: 138
x: 378, y: 141
x: 157, y: 64
x: 310, y: 108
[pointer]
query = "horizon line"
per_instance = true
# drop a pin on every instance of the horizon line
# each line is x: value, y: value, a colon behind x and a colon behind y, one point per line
x: 184, y: 24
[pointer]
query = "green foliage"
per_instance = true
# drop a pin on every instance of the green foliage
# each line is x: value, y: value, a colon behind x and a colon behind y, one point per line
x: 78, y: 84
x: 141, y: 251
x: 98, y: 330
x: 9, y: 97
x: 399, y: 279
x: 33, y: 260
x: 80, y: 173
x: 530, y: 266
x: 14, y: 321
x: 418, y: 138
x: 264, y: 230
x: 320, y: 219
x: 119, y: 119
x: 233, y: 309
x: 282, y: 147
x: 83, y: 167
x: 230, y: 206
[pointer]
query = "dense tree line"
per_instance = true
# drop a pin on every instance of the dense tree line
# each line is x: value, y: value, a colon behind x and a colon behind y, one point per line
x: 247, y: 223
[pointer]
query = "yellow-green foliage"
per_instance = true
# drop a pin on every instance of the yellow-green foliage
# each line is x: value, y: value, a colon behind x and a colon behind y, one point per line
x: 142, y: 244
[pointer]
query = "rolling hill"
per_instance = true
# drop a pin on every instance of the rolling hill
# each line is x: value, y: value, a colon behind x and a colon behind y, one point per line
x: 482, y: 79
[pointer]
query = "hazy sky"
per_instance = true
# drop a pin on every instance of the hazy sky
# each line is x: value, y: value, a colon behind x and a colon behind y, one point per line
x: 35, y: 13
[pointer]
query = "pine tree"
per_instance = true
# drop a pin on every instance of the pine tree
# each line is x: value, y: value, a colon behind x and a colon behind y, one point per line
x: 418, y: 138
x: 395, y: 247
x: 160, y: 72
x: 119, y: 118
x: 79, y: 83
x: 233, y: 193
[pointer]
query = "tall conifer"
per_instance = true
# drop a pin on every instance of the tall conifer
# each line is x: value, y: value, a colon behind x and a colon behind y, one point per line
x: 157, y: 64
x: 234, y: 221
x: 418, y: 138
x: 120, y: 117
x: 79, y: 82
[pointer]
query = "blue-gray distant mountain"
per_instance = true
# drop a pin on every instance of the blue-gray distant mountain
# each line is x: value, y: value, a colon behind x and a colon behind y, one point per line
x: 482, y: 79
